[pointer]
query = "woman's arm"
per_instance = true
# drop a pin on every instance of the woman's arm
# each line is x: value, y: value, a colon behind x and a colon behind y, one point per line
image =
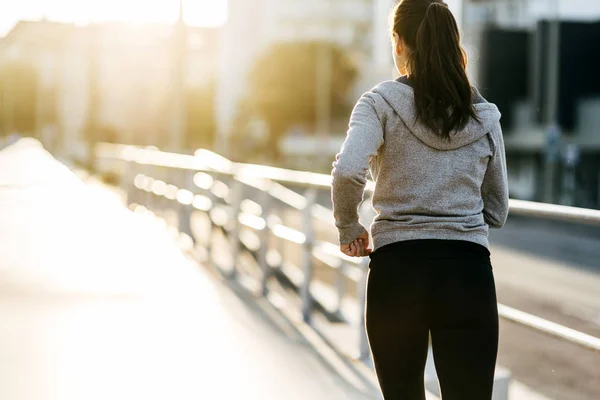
x: 494, y: 189
x: 364, y: 137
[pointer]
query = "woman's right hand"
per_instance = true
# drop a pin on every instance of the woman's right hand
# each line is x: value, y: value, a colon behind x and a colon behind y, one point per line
x: 359, y: 247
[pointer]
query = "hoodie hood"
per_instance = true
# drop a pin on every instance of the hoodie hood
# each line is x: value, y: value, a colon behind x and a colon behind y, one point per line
x: 400, y: 97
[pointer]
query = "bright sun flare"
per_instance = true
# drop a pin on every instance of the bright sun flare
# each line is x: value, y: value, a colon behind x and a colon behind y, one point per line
x: 196, y: 12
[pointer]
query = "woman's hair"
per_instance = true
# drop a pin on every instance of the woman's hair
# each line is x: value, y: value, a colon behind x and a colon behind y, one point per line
x: 436, y: 64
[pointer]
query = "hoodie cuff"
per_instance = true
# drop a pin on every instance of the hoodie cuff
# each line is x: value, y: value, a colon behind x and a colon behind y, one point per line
x: 349, y: 234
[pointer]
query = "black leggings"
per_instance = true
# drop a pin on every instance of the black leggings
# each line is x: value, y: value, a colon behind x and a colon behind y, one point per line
x: 442, y: 287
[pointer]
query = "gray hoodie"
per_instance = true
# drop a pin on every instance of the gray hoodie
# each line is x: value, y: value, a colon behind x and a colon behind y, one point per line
x: 426, y: 187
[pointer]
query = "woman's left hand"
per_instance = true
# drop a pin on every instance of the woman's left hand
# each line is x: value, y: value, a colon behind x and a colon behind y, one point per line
x: 359, y: 247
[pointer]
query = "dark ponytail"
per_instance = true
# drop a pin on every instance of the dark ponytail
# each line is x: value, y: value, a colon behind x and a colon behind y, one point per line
x: 436, y: 64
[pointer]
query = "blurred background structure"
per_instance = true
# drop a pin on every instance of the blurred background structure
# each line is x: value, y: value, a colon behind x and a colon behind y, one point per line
x: 131, y: 90
x: 277, y: 81
x: 72, y: 84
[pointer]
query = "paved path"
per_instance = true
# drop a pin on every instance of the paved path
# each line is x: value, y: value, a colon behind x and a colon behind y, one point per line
x: 97, y: 302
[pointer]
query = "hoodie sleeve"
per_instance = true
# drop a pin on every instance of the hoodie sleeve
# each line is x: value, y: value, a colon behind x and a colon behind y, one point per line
x: 494, y: 189
x: 364, y: 137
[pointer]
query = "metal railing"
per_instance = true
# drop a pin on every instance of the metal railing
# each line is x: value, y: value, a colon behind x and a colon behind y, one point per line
x: 245, y: 202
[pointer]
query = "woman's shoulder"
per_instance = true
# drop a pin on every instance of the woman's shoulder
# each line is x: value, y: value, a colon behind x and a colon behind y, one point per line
x: 389, y: 97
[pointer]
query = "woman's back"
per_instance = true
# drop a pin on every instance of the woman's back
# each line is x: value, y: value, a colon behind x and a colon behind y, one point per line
x: 427, y: 186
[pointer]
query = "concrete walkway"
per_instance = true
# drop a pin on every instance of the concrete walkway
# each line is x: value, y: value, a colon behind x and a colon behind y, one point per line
x: 97, y: 302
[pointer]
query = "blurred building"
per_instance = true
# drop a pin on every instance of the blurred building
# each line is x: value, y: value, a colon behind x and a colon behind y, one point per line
x: 37, y: 45
x: 538, y: 60
x: 114, y: 79
x: 361, y: 27
x: 253, y: 26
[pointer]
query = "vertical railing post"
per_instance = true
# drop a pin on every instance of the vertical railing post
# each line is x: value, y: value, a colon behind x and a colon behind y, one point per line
x: 208, y: 243
x: 238, y: 194
x: 146, y: 196
x: 184, y: 211
x: 364, y: 351
x: 156, y: 200
x: 161, y: 201
x: 126, y: 181
x: 366, y: 215
x: 132, y: 193
x: 281, y: 243
x: 340, y: 288
x: 152, y: 198
x: 141, y: 194
x: 207, y: 237
x: 307, y: 256
x: 265, y: 203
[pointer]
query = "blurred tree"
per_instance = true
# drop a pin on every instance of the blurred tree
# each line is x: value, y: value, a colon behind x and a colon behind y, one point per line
x: 18, y: 91
x: 201, y: 124
x: 282, y: 89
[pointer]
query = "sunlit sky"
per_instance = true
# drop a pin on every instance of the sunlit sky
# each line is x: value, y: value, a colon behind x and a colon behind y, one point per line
x: 197, y: 12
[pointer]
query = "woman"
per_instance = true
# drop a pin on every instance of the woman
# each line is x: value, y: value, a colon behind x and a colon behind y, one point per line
x: 435, y: 150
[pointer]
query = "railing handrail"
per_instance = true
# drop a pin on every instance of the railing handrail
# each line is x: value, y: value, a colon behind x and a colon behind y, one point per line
x: 549, y: 328
x: 206, y: 161
x: 216, y: 163
x: 233, y: 214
